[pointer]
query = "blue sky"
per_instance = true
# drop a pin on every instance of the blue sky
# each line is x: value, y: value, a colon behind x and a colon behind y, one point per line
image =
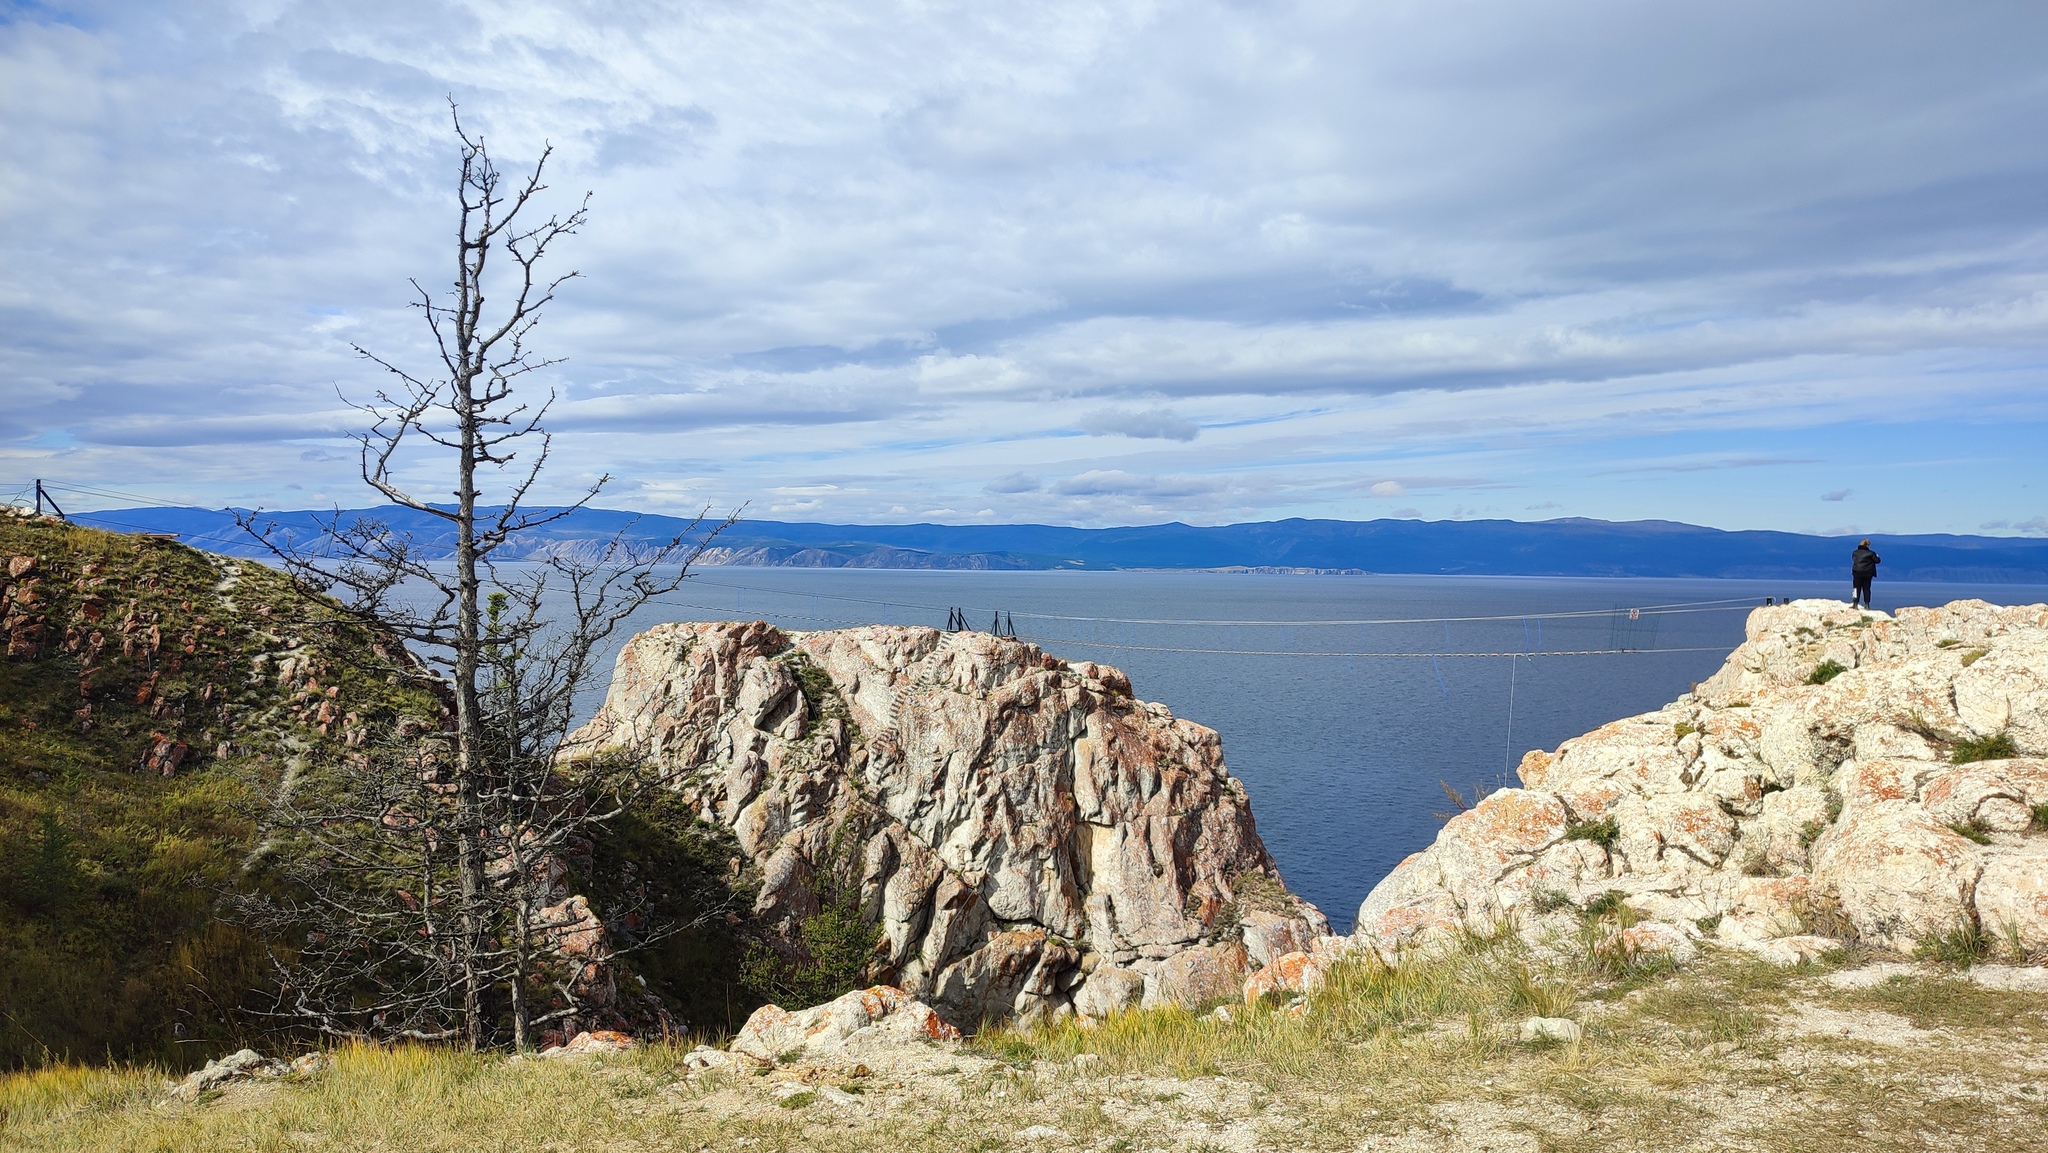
x: 1746, y: 265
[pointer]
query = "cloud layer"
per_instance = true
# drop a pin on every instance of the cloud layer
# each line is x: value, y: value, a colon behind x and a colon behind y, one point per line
x: 1206, y: 261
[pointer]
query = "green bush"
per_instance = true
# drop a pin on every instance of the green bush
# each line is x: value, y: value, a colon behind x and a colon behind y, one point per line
x: 1824, y: 672
x: 1604, y: 832
x: 1974, y: 829
x: 836, y: 945
x: 1996, y: 747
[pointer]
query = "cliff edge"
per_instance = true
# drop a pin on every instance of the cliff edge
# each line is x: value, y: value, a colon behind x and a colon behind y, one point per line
x: 1029, y: 838
x: 1846, y: 776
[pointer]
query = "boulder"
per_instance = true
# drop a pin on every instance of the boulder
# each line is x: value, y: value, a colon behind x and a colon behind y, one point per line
x: 1010, y: 820
x: 863, y: 1022
x: 1293, y: 973
x: 1194, y: 977
x: 2011, y: 901
x: 591, y: 1042
x: 242, y: 1065
x: 1899, y: 873
x: 1109, y: 990
x: 1268, y: 936
x: 1561, y: 1029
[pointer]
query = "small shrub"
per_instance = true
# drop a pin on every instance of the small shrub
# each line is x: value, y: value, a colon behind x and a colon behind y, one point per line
x: 2040, y: 822
x: 1962, y: 944
x: 1708, y: 923
x: 1810, y: 832
x: 1612, y: 903
x: 798, y: 1100
x: 1834, y: 806
x: 1684, y: 729
x: 1551, y: 900
x: 1604, y: 832
x: 1974, y: 829
x: 1996, y: 747
x: 1972, y: 657
x: 1758, y: 864
x: 1825, y: 671
x: 1822, y: 916
x: 1949, y: 643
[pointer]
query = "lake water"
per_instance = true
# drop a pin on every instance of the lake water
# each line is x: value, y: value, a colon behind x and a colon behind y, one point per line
x: 1342, y: 745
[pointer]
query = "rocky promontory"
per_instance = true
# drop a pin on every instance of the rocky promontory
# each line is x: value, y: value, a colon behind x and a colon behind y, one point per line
x: 1847, y: 776
x: 1030, y: 839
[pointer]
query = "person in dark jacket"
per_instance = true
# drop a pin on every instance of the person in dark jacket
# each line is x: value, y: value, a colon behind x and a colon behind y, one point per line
x: 1863, y: 566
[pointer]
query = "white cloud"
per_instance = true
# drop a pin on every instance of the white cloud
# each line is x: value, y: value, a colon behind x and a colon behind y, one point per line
x: 1389, y: 488
x: 1155, y: 423
x: 1494, y: 245
x: 1839, y: 494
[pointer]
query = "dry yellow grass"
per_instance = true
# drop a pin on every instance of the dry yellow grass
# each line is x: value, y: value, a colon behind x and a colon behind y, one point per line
x: 1730, y: 1054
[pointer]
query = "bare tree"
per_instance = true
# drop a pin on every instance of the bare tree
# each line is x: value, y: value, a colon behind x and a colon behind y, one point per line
x: 433, y: 863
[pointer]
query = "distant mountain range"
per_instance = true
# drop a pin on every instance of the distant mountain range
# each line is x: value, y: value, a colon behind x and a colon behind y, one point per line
x: 1567, y: 547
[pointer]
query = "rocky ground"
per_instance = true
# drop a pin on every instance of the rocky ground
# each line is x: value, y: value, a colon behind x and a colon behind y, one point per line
x: 1731, y: 1053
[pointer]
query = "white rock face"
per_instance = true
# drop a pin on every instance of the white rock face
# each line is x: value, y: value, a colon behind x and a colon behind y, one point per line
x: 1759, y: 804
x: 1011, y: 821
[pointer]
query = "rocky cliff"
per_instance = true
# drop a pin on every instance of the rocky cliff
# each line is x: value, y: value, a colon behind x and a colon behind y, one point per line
x: 1845, y: 775
x: 1029, y: 838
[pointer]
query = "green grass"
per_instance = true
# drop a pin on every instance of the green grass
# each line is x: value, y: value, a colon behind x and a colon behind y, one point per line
x: 108, y: 874
x: 1962, y: 945
x: 1605, y: 832
x: 1973, y: 829
x: 1996, y: 747
x: 1825, y: 671
x: 2039, y: 824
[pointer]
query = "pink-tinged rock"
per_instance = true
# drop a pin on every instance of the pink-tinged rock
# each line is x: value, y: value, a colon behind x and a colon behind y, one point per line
x: 1007, y: 976
x: 1485, y: 863
x: 2011, y: 897
x: 1874, y: 782
x: 2001, y: 794
x: 1503, y: 832
x: 1197, y: 976
x: 992, y: 785
x: 1269, y: 936
x: 865, y: 1021
x: 1677, y: 832
x: 1899, y: 874
x: 591, y: 1042
x: 1293, y: 973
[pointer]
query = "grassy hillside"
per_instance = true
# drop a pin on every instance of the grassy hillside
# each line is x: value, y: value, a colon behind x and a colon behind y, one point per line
x: 149, y: 692
x: 146, y: 687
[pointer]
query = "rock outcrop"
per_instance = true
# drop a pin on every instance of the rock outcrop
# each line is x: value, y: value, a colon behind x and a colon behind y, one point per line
x: 1846, y: 772
x: 1017, y: 826
x: 860, y: 1023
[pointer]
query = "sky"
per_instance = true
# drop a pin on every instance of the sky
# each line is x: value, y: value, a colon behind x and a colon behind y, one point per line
x: 1750, y: 265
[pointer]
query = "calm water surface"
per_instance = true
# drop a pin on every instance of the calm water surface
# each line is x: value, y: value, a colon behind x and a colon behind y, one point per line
x: 1342, y: 753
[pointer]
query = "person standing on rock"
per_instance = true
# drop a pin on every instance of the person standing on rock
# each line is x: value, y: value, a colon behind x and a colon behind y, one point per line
x: 1862, y: 567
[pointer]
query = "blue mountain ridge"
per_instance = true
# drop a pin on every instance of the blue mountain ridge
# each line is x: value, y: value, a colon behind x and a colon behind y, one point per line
x: 1564, y: 547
